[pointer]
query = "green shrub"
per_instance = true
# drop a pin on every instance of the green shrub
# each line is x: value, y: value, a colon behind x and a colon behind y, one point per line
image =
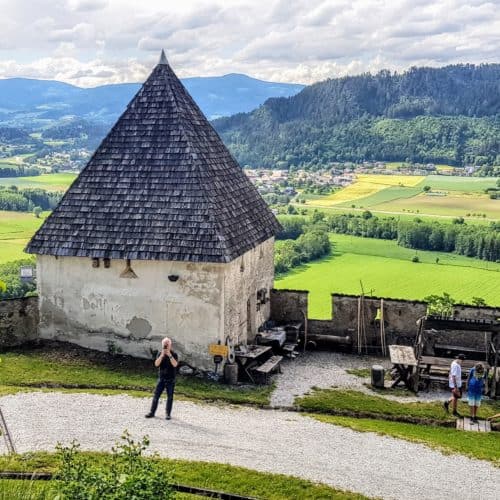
x: 127, y: 475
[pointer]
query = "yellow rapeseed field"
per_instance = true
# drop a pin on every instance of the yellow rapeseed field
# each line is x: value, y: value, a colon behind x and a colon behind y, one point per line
x: 366, y: 185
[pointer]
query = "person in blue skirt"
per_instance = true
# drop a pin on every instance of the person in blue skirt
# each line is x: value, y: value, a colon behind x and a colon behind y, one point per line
x: 475, y: 388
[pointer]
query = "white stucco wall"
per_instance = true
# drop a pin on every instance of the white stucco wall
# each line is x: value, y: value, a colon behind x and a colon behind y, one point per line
x: 94, y: 306
x: 242, y: 278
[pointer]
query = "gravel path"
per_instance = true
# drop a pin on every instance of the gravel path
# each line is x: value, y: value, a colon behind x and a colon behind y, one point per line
x: 270, y: 441
x: 325, y: 369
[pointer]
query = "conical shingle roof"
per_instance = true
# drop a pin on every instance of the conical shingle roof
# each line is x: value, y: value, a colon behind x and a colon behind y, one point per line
x: 161, y: 186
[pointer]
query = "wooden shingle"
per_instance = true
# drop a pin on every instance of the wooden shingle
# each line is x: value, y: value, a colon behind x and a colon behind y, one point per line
x: 161, y: 186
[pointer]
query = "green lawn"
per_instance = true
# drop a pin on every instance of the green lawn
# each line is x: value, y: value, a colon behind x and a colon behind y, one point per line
x: 220, y: 477
x: 332, y: 400
x: 16, y: 228
x: 74, y: 366
x: 386, y: 270
x: 51, y: 182
x: 483, y: 446
x: 476, y: 445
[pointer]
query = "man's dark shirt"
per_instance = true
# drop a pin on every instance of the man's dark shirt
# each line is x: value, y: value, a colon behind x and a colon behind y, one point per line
x: 166, y: 370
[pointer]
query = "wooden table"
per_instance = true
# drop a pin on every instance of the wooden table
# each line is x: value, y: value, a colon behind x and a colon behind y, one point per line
x: 247, y: 359
x: 404, y: 361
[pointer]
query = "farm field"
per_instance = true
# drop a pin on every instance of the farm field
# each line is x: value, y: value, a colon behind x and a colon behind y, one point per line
x: 458, y: 196
x: 367, y: 185
x: 51, y: 182
x: 386, y: 270
x: 16, y: 228
x: 458, y: 205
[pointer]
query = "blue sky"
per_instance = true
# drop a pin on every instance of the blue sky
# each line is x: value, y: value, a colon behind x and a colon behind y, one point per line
x: 94, y: 42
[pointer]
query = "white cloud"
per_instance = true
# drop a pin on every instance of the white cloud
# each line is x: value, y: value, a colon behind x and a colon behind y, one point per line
x: 92, y: 42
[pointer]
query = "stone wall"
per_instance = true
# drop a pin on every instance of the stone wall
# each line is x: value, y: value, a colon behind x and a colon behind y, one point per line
x: 400, y: 317
x: 288, y: 305
x: 18, y: 321
x: 243, y: 278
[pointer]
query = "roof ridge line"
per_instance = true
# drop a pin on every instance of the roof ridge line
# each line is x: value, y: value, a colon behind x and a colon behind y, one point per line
x: 221, y: 237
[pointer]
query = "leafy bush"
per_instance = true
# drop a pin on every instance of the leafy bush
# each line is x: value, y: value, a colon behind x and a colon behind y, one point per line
x: 10, y: 275
x: 439, y: 305
x: 128, y: 474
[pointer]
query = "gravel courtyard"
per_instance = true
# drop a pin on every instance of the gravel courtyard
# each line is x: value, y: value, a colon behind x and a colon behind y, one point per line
x: 270, y: 441
x: 326, y: 369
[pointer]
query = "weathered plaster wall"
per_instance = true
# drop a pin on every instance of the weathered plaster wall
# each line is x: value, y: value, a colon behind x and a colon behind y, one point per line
x: 242, y: 279
x: 94, y: 306
x: 18, y: 321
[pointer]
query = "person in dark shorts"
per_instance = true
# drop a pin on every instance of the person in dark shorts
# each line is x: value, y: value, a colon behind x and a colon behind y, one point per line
x: 166, y: 362
x: 455, y: 384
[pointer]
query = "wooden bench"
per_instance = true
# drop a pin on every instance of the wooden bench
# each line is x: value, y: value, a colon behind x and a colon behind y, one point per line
x: 264, y: 370
x: 289, y: 349
x: 454, y: 349
x: 435, y: 369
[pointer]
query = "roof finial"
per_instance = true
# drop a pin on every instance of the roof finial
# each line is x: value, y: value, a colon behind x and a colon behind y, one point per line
x: 163, y: 58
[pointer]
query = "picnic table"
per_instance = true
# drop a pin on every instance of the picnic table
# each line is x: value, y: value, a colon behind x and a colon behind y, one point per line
x: 249, y: 357
x: 405, y: 364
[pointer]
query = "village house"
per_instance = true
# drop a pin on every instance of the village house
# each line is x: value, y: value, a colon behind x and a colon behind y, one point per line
x: 162, y: 234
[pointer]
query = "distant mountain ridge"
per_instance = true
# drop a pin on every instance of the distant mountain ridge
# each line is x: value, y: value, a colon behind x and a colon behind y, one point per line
x: 30, y: 102
x: 441, y: 115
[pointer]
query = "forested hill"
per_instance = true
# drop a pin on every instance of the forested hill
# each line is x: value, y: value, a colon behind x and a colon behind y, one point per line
x: 441, y: 115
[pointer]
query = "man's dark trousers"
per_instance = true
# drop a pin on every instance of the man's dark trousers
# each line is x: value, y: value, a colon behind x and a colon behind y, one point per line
x: 167, y: 384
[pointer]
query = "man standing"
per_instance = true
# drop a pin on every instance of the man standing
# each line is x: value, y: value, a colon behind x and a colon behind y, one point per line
x: 166, y: 362
x: 455, y: 383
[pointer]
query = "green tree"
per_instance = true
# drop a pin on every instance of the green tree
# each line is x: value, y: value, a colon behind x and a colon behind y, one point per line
x: 426, y: 189
x: 37, y: 211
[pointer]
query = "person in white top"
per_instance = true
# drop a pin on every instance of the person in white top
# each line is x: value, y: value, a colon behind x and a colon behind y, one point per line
x: 455, y: 384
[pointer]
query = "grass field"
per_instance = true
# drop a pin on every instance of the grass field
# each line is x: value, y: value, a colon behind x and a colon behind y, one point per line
x: 51, y: 182
x: 456, y: 183
x: 397, y: 194
x: 16, y: 228
x: 386, y: 270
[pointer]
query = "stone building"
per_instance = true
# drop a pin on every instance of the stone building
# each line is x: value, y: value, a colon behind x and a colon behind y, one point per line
x: 161, y: 234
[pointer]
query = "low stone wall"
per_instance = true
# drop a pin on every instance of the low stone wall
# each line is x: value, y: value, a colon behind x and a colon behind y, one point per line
x: 288, y: 305
x: 18, y: 321
x: 400, y: 318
